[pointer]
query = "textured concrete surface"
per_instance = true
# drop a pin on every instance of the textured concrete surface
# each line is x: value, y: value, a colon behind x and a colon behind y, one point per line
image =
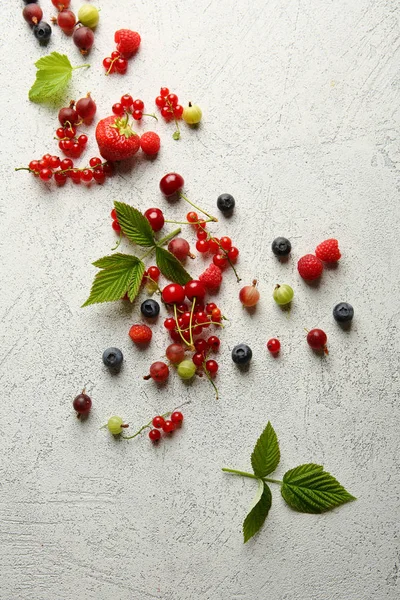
x: 300, y: 103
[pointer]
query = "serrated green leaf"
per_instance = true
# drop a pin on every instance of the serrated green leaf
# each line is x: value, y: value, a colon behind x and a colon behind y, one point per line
x: 308, y: 488
x: 134, y: 225
x: 119, y: 276
x: 54, y: 62
x: 135, y: 280
x: 266, y: 455
x: 259, y: 511
x: 52, y: 77
x: 170, y: 267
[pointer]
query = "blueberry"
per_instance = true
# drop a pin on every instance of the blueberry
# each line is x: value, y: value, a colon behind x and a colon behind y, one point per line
x: 343, y: 312
x: 281, y: 246
x: 150, y: 309
x: 112, y: 358
x: 241, y: 354
x: 226, y: 203
x: 42, y: 31
x: 30, y: 1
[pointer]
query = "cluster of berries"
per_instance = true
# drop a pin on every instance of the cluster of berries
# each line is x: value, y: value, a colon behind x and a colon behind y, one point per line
x: 115, y: 425
x: 80, y: 28
x: 128, y: 43
x: 70, y: 117
x: 49, y: 166
x: 169, y: 105
x: 311, y: 266
x: 224, y: 252
x: 128, y: 105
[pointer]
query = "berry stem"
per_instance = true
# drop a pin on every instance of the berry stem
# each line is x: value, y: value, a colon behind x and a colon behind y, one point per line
x: 206, y: 323
x: 245, y: 474
x: 147, y: 426
x: 111, y: 66
x: 118, y: 242
x: 198, y: 207
x: 150, y: 115
x: 238, y: 279
x: 190, y: 321
x: 187, y: 222
x: 210, y: 379
x: 190, y: 345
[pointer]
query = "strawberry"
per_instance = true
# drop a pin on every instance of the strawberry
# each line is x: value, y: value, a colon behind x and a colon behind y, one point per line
x: 127, y: 42
x: 116, y: 139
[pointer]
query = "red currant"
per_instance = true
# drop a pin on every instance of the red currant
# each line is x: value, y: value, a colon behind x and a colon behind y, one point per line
x: 138, y: 104
x: 225, y: 243
x: 169, y: 426
x: 273, y: 345
x: 154, y: 273
x: 192, y: 217
x: 86, y: 175
x: 98, y: 175
x: 220, y: 261
x: 210, y: 307
x: 213, y: 342
x: 195, y: 289
x: 164, y: 92
x: 198, y: 359
x: 115, y: 54
x: 34, y: 165
x: 177, y: 417
x: 82, y: 140
x: 121, y: 65
x: 178, y: 111
x: 154, y: 435
x: 60, y: 178
x: 214, y: 246
x: 93, y: 162
x: 118, y: 109
x: 60, y: 133
x: 45, y: 174
x: 202, y: 246
x: 172, y: 99
x: 212, y: 366
x: 169, y: 324
x: 216, y: 314
x: 54, y: 162
x: 158, y: 422
x: 66, y: 163
x: 127, y: 100
x: 116, y: 226
x: 108, y: 169
x: 70, y: 132
x: 137, y: 115
x: 201, y: 345
x: 201, y: 234
x: 160, y: 101
x: 75, y: 175
x: 166, y: 113
x: 173, y: 294
x: 155, y: 217
x: 233, y: 253
x: 108, y: 64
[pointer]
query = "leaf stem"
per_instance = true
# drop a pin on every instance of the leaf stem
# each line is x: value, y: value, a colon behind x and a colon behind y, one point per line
x: 168, y: 237
x: 198, y: 207
x: 187, y: 222
x: 191, y: 320
x: 245, y: 474
x: 80, y: 66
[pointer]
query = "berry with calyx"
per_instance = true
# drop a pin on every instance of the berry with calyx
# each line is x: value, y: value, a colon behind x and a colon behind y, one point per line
x: 249, y: 294
x: 32, y: 14
x: 154, y: 435
x: 173, y: 294
x: 150, y: 143
x: 316, y: 339
x: 186, y: 369
x: 343, y: 312
x: 310, y: 267
x: 115, y: 425
x: 155, y: 217
x: 198, y: 359
x: 116, y: 139
x: 113, y: 358
x: 66, y: 20
x: 283, y: 294
x: 177, y: 417
x: 159, y: 372
x: 59, y: 4
x: 68, y: 116
x: 241, y: 354
x: 213, y: 343
x: 88, y: 15
x: 195, y: 289
x: 328, y: 251
x: 175, y: 353
x: 281, y: 246
x: 220, y: 261
x: 86, y: 107
x: 192, y: 114
x: 212, y: 366
x: 171, y: 183
x: 82, y: 404
x: 180, y: 248
x: 226, y: 203
x: 273, y: 345
x: 169, y: 426
x: 83, y: 38
x: 158, y: 422
x: 150, y: 309
x: 127, y: 41
x: 140, y: 334
x: 201, y: 346
x: 42, y: 32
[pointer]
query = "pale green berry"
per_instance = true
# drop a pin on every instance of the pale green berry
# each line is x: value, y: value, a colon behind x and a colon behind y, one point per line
x: 88, y: 15
x: 115, y: 425
x: 283, y: 294
x: 186, y: 369
x: 192, y: 114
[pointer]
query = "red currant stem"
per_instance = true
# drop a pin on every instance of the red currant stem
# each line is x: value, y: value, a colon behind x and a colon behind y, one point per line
x: 244, y: 474
x: 112, y: 64
x: 210, y: 379
x: 118, y: 242
x: 179, y: 329
x: 24, y: 169
x: 191, y: 320
x: 204, y: 324
x: 185, y: 222
x: 197, y: 207
x: 151, y: 280
x: 150, y: 115
x: 147, y: 426
x: 238, y: 279
x: 177, y: 133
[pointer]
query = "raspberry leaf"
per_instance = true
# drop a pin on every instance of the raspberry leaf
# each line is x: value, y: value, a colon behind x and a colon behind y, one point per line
x: 134, y: 225
x: 308, y: 488
x: 258, y: 512
x: 120, y: 273
x: 266, y: 455
x: 52, y: 77
x: 170, y: 267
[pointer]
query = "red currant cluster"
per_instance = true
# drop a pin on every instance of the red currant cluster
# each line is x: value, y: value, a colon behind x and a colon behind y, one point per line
x: 165, y: 425
x: 128, y: 43
x: 222, y: 248
x: 49, y: 166
x: 70, y: 117
x: 170, y: 109
x: 128, y: 105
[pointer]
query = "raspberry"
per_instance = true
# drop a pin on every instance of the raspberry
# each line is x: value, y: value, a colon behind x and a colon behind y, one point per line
x: 310, y: 267
x: 211, y: 278
x: 127, y: 41
x: 328, y: 251
x: 140, y: 334
x: 150, y: 143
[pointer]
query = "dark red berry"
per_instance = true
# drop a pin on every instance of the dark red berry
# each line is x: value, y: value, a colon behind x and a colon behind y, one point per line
x: 273, y: 345
x: 155, y: 217
x: 177, y: 417
x: 154, y: 435
x: 158, y: 422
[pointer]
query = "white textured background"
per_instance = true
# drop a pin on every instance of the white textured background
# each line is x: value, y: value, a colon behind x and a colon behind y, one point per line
x: 300, y: 103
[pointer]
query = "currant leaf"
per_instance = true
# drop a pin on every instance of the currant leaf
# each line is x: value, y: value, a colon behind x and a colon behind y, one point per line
x: 170, y: 267
x: 134, y: 225
x: 258, y: 512
x: 266, y: 455
x: 52, y: 77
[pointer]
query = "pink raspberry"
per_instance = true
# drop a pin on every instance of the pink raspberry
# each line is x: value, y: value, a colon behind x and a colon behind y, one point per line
x: 328, y: 251
x: 211, y: 278
x: 140, y: 334
x: 310, y: 267
x: 127, y: 41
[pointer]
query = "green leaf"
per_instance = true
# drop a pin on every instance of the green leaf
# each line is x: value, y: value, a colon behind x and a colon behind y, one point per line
x: 170, y: 267
x: 120, y: 273
x: 134, y: 225
x: 310, y: 489
x: 258, y: 512
x: 52, y: 77
x: 265, y: 457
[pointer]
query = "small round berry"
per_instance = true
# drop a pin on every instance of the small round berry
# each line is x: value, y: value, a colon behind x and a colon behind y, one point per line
x: 170, y: 324
x: 155, y: 217
x: 316, y: 339
x: 32, y: 14
x: 212, y: 366
x: 82, y: 404
x: 115, y: 425
x: 213, y: 342
x: 283, y: 294
x: 60, y: 132
x: 172, y: 99
x: 54, y: 162
x: 137, y: 115
x: 281, y: 246
x: 175, y: 353
x: 115, y: 54
x: 42, y: 32
x: 88, y: 15
x: 169, y: 426
x: 201, y: 346
x: 216, y: 314
x: 220, y: 261
x: 113, y: 358
x: 343, y: 312
x: 150, y: 143
x: 66, y: 163
x: 210, y: 307
x: 225, y: 243
x: 116, y: 226
x: 178, y: 111
x: 138, y: 104
x: 164, y: 92
x: 82, y: 140
x: 158, y: 422
x: 153, y: 273
x: 34, y: 165
x: 108, y: 64
x: 86, y: 108
x: 179, y: 247
x: 140, y: 334
x: 273, y: 345
x: 241, y: 354
x: 177, y: 417
x: 154, y: 435
x: 75, y: 175
x: 150, y: 309
x: 198, y: 359
x: 159, y: 371
x: 173, y: 294
x: 118, y: 109
x: 160, y: 101
x: 83, y: 39
x: 226, y: 203
x: 60, y: 178
x: 87, y: 175
x: 202, y: 246
x: 108, y: 169
x: 233, y: 253
x: 45, y: 174
x: 98, y: 175
x: 195, y: 289
x: 201, y: 234
x: 186, y: 369
x: 310, y: 267
x: 249, y: 295
x: 127, y: 101
x: 192, y: 217
x: 214, y: 245
x: 167, y: 113
x: 171, y: 183
x: 94, y: 162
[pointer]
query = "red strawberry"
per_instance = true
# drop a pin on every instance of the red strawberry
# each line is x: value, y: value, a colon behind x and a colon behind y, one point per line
x: 116, y: 139
x: 328, y: 251
x: 211, y: 278
x: 127, y: 41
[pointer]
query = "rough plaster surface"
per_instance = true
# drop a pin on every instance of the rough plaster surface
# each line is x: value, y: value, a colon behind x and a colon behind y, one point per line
x: 301, y: 112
